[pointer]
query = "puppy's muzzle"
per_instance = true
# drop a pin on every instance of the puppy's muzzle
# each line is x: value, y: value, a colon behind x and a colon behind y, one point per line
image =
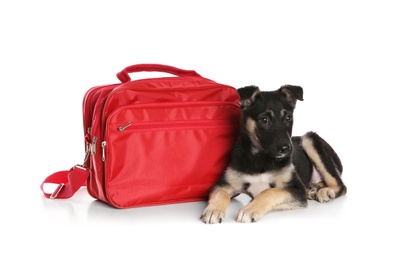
x: 283, y: 151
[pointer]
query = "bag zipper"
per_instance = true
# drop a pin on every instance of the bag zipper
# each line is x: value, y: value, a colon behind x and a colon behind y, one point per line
x: 123, y: 127
x: 175, y: 124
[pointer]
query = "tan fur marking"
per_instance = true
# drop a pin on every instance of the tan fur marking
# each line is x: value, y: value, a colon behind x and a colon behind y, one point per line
x: 233, y: 177
x: 267, y: 200
x: 251, y: 127
x: 258, y: 182
x: 330, y: 181
x: 218, y: 203
x: 219, y: 198
x: 284, y: 177
x: 309, y: 148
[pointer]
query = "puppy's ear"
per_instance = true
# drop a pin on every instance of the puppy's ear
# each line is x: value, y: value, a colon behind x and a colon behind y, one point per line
x: 292, y: 93
x: 247, y: 95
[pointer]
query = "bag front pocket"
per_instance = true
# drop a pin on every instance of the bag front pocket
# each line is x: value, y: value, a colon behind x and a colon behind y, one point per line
x: 168, y: 153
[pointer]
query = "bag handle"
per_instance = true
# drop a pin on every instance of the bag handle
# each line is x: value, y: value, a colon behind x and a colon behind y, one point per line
x: 124, y: 77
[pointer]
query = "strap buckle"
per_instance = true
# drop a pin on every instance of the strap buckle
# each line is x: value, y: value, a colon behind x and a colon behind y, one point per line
x: 80, y: 166
x: 56, y: 191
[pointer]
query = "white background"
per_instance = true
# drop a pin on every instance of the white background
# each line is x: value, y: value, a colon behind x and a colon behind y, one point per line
x: 341, y: 52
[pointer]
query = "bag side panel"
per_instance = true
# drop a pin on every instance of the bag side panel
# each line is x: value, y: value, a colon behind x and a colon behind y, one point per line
x: 95, y: 184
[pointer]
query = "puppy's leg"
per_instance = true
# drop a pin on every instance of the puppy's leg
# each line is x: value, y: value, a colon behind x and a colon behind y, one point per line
x: 269, y: 200
x: 218, y: 202
x: 328, y: 164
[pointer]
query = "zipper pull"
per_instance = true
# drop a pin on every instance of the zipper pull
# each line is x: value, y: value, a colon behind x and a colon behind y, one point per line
x: 123, y: 127
x: 103, y: 151
x: 93, y: 148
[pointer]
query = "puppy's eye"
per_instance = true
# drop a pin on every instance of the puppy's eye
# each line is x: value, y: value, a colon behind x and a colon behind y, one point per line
x: 288, y: 118
x: 264, y: 120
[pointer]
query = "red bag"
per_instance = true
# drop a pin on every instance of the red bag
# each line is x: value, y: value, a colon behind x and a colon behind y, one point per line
x: 153, y: 141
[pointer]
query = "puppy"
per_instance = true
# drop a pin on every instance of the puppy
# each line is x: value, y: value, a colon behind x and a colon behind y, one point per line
x: 278, y: 171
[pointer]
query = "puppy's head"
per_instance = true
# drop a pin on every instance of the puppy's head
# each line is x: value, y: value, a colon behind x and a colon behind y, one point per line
x: 267, y: 118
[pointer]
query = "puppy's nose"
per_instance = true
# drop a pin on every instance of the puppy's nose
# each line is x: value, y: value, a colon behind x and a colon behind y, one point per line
x: 285, y: 149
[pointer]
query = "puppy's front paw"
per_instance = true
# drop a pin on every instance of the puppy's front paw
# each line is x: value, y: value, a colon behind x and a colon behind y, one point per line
x: 249, y: 215
x: 325, y: 195
x: 212, y: 215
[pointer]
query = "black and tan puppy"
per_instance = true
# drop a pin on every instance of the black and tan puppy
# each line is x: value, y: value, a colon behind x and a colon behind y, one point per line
x: 276, y: 170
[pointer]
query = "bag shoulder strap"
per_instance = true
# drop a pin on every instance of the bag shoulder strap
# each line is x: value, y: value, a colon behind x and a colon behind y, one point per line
x: 68, y: 182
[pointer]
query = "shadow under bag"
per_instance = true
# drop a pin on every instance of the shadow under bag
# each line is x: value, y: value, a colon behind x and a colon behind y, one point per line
x: 153, y: 141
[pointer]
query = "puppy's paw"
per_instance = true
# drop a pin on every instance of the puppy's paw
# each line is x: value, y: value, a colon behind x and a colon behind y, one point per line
x: 325, y: 195
x: 313, y: 189
x: 212, y: 215
x: 311, y: 192
x: 249, y: 215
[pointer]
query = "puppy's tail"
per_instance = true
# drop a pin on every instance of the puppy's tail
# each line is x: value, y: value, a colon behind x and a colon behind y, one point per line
x: 325, y: 160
